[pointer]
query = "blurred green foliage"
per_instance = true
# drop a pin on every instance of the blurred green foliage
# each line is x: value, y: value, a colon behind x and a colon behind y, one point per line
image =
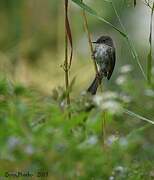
x: 37, y: 136
x: 35, y: 132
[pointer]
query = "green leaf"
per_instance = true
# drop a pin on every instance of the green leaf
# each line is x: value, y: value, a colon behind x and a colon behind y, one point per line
x: 94, y: 13
x: 85, y: 7
x: 137, y: 131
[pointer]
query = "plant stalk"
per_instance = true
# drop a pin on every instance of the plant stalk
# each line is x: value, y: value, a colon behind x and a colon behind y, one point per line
x: 89, y: 39
x: 66, y: 65
x: 103, y: 128
x: 66, y: 70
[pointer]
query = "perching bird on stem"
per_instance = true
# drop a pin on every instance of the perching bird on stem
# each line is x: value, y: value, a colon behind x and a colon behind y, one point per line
x: 104, y: 55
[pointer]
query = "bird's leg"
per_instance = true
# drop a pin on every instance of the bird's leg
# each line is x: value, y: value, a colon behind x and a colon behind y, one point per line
x: 99, y: 77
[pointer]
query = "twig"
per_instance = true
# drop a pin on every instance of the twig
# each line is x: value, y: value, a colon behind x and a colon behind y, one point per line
x: 90, y: 44
x: 95, y: 66
x: 66, y: 65
x: 66, y: 70
x: 89, y: 38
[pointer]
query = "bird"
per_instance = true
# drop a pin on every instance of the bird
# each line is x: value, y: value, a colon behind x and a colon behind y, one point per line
x: 105, y: 57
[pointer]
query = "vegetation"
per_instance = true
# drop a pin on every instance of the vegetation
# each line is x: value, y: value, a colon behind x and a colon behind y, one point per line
x: 63, y: 133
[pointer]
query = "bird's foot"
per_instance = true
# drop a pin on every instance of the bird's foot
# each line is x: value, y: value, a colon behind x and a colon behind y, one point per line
x: 99, y: 77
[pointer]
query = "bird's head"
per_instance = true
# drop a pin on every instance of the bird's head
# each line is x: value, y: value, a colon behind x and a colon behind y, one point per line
x: 104, y: 40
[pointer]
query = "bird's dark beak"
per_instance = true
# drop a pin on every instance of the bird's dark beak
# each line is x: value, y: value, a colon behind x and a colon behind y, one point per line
x: 94, y: 42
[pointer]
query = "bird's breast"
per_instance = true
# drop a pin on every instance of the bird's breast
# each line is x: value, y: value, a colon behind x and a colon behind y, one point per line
x: 101, y: 53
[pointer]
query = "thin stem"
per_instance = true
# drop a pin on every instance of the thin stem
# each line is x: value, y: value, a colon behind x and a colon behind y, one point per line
x: 138, y: 116
x: 90, y: 43
x: 149, y: 63
x: 103, y: 128
x: 94, y: 14
x: 133, y: 51
x: 66, y: 69
x: 89, y: 38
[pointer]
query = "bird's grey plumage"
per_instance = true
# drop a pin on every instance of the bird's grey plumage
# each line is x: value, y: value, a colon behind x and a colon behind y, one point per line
x: 104, y: 55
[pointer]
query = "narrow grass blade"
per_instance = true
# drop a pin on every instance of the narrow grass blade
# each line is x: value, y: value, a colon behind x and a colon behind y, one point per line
x: 149, y: 58
x: 94, y: 13
x: 133, y: 51
x: 149, y: 66
x: 138, y: 116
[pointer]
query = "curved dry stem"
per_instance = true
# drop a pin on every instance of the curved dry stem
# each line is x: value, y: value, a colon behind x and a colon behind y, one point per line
x: 66, y: 65
x: 89, y: 38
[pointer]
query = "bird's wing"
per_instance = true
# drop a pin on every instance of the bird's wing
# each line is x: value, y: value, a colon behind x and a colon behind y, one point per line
x: 112, y: 56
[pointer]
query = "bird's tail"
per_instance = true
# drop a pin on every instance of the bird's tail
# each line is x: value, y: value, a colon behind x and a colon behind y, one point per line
x: 94, y: 86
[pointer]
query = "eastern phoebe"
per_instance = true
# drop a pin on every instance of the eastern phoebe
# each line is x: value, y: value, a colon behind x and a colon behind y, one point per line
x: 104, y: 55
